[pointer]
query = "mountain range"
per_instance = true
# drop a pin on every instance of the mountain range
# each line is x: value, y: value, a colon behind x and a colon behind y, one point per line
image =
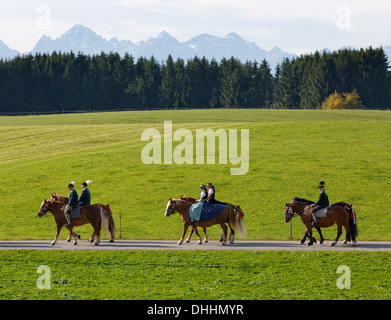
x: 82, y: 39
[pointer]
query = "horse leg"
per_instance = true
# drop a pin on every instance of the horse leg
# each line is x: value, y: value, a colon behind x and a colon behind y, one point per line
x: 70, y: 236
x: 190, y: 235
x: 339, y: 232
x: 185, y: 227
x: 305, y: 236
x: 198, y: 235
x: 320, y: 235
x: 92, y: 237
x: 206, y: 240
x: 97, y: 232
x: 231, y: 238
x: 57, y: 234
x: 225, y: 231
x: 310, y: 237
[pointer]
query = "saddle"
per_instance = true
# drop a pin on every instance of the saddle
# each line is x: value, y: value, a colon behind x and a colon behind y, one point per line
x: 75, y: 213
x: 321, y: 213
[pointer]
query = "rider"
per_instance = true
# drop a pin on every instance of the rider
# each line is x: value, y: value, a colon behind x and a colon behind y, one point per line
x: 212, y: 194
x: 322, y: 202
x: 85, y: 196
x: 204, y: 193
x: 73, y: 203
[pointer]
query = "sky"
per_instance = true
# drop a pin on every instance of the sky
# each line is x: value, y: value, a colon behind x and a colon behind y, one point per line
x: 299, y: 26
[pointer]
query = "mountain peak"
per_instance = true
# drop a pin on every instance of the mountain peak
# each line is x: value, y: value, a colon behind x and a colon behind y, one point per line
x: 233, y: 36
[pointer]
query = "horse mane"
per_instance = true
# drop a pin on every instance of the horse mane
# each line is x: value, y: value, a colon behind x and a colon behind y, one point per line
x: 302, y: 200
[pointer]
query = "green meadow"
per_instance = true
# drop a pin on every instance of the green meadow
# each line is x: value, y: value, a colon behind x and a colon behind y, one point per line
x: 290, y: 152
x: 189, y: 275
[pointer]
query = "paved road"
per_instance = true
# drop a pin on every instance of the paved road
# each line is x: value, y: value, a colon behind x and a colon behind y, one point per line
x: 212, y: 245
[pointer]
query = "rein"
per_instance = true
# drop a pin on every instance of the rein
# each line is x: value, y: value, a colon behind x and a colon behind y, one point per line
x: 175, y: 208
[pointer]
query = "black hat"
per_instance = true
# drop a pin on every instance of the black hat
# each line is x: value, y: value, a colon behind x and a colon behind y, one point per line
x: 321, y: 185
x: 72, y: 184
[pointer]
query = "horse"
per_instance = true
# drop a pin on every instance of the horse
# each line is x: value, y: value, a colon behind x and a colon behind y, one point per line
x: 183, y: 206
x: 89, y: 214
x: 109, y: 228
x: 231, y: 238
x: 336, y: 214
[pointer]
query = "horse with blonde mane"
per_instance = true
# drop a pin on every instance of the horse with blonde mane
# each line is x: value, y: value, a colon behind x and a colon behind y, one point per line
x: 88, y: 214
x: 231, y: 237
x: 107, y: 223
x: 182, y: 207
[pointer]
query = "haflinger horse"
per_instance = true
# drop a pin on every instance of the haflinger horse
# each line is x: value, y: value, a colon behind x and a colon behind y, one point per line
x: 183, y: 206
x: 336, y: 214
x: 89, y: 214
x: 108, y: 228
x: 231, y: 237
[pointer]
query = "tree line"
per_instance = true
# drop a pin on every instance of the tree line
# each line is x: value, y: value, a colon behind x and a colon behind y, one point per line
x: 70, y: 82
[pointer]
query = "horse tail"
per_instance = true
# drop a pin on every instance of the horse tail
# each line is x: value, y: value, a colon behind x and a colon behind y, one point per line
x: 107, y: 224
x: 352, y: 222
x: 236, y: 220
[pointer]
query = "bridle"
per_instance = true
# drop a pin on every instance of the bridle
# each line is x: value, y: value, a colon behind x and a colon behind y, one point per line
x: 44, y: 207
x: 292, y: 213
x: 173, y: 209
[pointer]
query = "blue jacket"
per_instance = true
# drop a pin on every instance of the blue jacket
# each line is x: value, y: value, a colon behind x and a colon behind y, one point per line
x: 85, y: 197
x: 73, y: 199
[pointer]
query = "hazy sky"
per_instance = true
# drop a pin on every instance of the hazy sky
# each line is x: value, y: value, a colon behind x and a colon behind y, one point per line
x: 297, y: 26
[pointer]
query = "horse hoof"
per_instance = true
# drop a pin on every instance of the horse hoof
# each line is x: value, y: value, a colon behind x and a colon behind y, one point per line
x: 199, y: 242
x: 68, y: 240
x: 205, y: 241
x: 333, y: 244
x: 96, y: 243
x: 53, y: 243
x: 75, y: 243
x: 223, y: 243
x: 345, y: 241
x: 310, y: 244
x: 111, y: 240
x: 179, y: 243
x: 78, y: 236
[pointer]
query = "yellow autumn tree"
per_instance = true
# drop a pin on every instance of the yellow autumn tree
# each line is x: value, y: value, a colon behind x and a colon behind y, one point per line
x: 343, y: 101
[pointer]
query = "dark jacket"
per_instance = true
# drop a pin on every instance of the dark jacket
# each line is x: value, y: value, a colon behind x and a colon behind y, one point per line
x: 73, y: 199
x: 323, y: 201
x: 85, y: 197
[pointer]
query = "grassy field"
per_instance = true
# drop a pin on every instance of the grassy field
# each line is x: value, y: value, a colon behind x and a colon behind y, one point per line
x: 165, y: 275
x: 290, y: 151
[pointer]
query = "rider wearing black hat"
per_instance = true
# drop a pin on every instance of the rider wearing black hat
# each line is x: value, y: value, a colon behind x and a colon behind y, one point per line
x: 212, y: 195
x: 73, y: 203
x: 323, y: 202
x: 85, y: 196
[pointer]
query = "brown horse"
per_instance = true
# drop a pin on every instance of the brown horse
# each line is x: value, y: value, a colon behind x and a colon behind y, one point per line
x: 89, y: 214
x: 231, y: 237
x: 336, y: 214
x: 182, y: 207
x: 108, y: 228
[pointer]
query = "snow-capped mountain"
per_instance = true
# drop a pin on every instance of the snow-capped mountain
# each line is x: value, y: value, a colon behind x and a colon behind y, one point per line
x: 6, y: 52
x: 82, y: 39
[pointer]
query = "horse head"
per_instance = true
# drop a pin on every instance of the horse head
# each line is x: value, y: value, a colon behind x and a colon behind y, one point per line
x: 288, y: 212
x: 171, y: 208
x: 44, y: 208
